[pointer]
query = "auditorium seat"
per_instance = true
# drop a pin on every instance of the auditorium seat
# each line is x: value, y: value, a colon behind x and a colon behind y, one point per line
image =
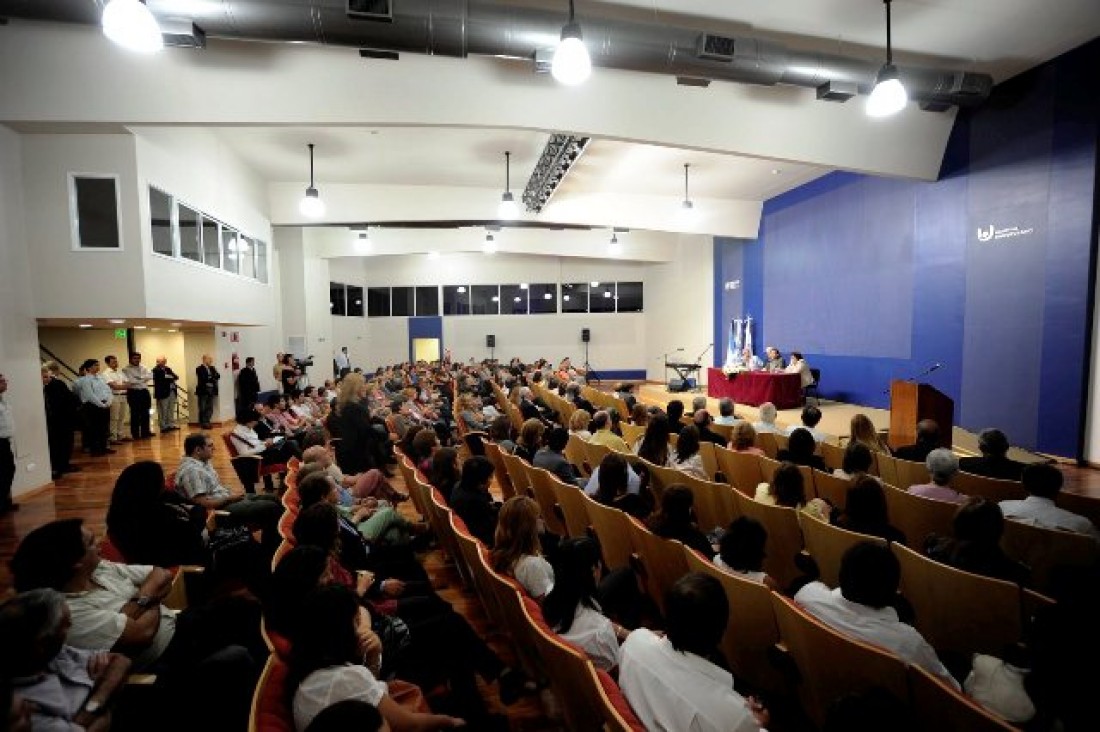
x: 612, y: 526
x: 990, y: 489
x: 939, y: 708
x: 631, y: 433
x: 618, y: 716
x: 271, y: 710
x: 714, y: 502
x: 784, y: 537
x: 508, y: 600
x: 886, y: 467
x: 469, y: 548
x: 661, y: 561
x: 575, y: 454
x: 440, y: 519
x: 541, y: 482
x: 917, y: 517
x: 831, y: 454
x: 1080, y: 504
x: 830, y: 488
x: 910, y: 473
x: 1043, y: 550
x: 594, y: 454
x: 500, y: 471
x: 741, y: 469
x: 516, y: 468
x: 827, y: 543
x: 710, y: 462
x: 571, y: 500
x: 766, y: 441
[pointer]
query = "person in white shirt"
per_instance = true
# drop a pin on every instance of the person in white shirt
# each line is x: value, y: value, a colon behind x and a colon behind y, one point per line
x: 726, y: 412
x: 861, y: 607
x: 1042, y: 483
x: 116, y: 382
x: 668, y: 680
x: 7, y: 454
x: 96, y: 403
x: 343, y: 363
x: 799, y: 366
x: 766, y: 423
x: 137, y: 379
x: 811, y: 415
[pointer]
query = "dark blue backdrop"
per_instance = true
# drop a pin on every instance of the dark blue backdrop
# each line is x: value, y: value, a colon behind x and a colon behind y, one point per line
x: 993, y: 261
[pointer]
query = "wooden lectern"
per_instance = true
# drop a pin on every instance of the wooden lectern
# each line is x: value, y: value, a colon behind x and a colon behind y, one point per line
x: 910, y: 403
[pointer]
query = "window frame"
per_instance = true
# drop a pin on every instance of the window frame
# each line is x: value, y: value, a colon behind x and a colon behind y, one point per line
x: 74, y: 217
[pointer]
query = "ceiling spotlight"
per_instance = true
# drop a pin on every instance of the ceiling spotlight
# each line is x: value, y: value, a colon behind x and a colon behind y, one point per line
x: 889, y: 96
x: 116, y: 321
x: 131, y: 25
x: 140, y: 327
x: 687, y: 208
x: 362, y: 241
x: 490, y: 246
x: 571, y: 65
x: 565, y: 298
x: 508, y: 208
x: 614, y: 247
x: 311, y: 206
x: 85, y: 325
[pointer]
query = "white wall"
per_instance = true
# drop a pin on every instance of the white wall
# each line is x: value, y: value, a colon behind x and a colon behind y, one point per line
x: 193, y: 166
x: 82, y: 283
x: 18, y: 332
x: 680, y: 307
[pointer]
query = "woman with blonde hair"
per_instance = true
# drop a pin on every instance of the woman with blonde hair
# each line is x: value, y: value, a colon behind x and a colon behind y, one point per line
x: 578, y: 424
x: 530, y: 439
x: 516, y: 549
x: 862, y: 430
x: 360, y: 447
x: 743, y: 439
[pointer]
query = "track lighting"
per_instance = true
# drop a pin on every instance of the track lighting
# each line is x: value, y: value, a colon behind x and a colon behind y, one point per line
x: 311, y: 205
x: 571, y: 65
x: 131, y: 24
x: 889, y: 95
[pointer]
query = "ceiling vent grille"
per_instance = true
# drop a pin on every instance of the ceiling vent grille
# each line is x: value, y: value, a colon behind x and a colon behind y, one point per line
x: 377, y: 10
x: 714, y: 48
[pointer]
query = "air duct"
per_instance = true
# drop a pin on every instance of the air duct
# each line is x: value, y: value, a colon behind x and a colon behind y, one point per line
x: 462, y: 27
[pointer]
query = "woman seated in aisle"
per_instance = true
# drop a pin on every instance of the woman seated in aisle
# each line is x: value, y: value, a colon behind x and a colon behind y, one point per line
x: 472, y: 501
x: 942, y: 466
x: 336, y: 657
x: 865, y: 511
x: 863, y: 431
x: 354, y: 489
x: 530, y: 439
x: 517, y: 551
x: 445, y: 473
x: 686, y: 457
x: 377, y: 521
x: 856, y: 463
x: 741, y: 551
x: 676, y: 520
x: 800, y: 451
x: 613, y: 479
x: 976, y: 544
x: 151, y: 525
x: 571, y: 608
x: 788, y: 489
x: 743, y: 439
x: 578, y: 424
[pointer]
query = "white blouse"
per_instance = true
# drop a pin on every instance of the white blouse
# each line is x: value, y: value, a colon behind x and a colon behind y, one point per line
x: 595, y: 634
x: 535, y: 575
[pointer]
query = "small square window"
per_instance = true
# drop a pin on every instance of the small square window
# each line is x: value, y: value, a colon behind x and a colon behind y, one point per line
x: 378, y: 302
x: 337, y: 299
x: 355, y: 301
x: 485, y: 300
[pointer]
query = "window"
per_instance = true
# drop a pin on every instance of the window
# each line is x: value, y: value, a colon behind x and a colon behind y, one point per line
x: 231, y: 250
x: 211, y: 246
x: 94, y: 212
x: 630, y: 297
x: 355, y: 301
x: 337, y: 299
x: 513, y: 299
x: 160, y: 222
x: 261, y: 261
x: 190, y: 234
x: 403, y: 301
x: 246, y: 257
x: 378, y: 302
x: 456, y: 300
x: 427, y: 301
x: 601, y: 298
x: 543, y: 298
x: 485, y: 300
x: 574, y: 298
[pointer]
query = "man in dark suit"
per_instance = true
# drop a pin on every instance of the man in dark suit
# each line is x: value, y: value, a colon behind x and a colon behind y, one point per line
x: 248, y: 385
x: 164, y: 391
x: 928, y: 439
x: 994, y: 462
x: 61, y: 419
x: 206, y: 389
x: 552, y: 458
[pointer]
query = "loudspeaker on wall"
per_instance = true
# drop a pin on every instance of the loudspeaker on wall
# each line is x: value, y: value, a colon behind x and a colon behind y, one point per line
x: 586, y: 335
x: 490, y: 341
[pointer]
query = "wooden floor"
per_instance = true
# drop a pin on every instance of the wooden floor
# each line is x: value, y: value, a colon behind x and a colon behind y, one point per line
x: 86, y: 495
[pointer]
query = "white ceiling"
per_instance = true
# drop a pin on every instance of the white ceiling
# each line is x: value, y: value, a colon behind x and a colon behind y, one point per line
x: 999, y: 37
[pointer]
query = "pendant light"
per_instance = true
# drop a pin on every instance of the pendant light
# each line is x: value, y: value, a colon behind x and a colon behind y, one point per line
x: 687, y: 208
x: 362, y: 241
x: 508, y: 208
x: 131, y: 24
x: 571, y: 65
x: 311, y: 206
x: 490, y: 246
x: 614, y: 248
x: 889, y: 96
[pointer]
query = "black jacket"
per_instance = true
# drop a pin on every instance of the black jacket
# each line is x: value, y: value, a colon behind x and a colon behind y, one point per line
x: 248, y: 387
x: 477, y: 509
x: 164, y: 380
x: 207, y: 380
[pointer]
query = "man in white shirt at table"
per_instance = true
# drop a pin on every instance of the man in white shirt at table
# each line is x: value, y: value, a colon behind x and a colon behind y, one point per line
x: 668, y: 680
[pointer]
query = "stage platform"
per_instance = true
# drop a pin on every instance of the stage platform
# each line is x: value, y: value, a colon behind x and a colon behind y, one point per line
x: 835, y: 418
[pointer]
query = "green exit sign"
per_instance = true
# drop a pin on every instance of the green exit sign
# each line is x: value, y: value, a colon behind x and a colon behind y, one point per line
x: 120, y: 334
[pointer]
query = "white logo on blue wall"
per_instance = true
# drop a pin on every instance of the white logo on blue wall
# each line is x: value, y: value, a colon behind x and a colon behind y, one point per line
x: 992, y: 233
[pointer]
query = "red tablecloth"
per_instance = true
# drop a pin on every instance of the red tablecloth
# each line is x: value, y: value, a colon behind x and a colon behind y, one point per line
x: 756, y: 387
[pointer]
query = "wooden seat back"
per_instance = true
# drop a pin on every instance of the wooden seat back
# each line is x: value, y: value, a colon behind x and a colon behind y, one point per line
x: 662, y: 560
x: 1043, y: 550
x: 741, y: 469
x: 831, y: 488
x: 784, y: 537
x: 594, y: 454
x: 714, y: 502
x: 827, y: 543
x: 516, y: 468
x: 1080, y: 504
x: 575, y: 454
x: 725, y: 430
x: 831, y: 454
x: 632, y: 433
x: 887, y: 468
x: 572, y: 502
x: 917, y: 517
x: 469, y: 548
x: 831, y: 665
x: 910, y: 473
x: 990, y: 489
x: 612, y: 526
x: 500, y: 470
x: 766, y: 441
x: 542, y: 485
x: 270, y: 711
x: 940, y: 708
x: 959, y: 612
x: 710, y: 461
x: 508, y: 598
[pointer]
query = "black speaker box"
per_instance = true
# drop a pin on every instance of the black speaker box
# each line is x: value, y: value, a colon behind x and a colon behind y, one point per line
x: 490, y: 341
x: 676, y: 385
x: 586, y: 335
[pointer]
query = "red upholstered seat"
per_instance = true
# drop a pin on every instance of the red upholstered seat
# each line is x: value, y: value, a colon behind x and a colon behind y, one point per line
x: 110, y: 552
x: 618, y: 702
x: 270, y: 711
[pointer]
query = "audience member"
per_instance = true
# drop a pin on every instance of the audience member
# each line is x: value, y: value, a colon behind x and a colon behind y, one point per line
x: 472, y: 501
x: 675, y: 410
x: 445, y: 472
x: 865, y: 511
x: 530, y: 439
x: 151, y: 525
x: 862, y: 607
x: 788, y: 489
x: 500, y: 432
x: 61, y: 420
x: 613, y: 487
x: 551, y: 458
x: 863, y: 431
x: 602, y: 434
x: 653, y: 445
x: 741, y: 550
x: 942, y: 466
x: 578, y: 424
x: 743, y: 439
x: 361, y: 442
x: 928, y: 439
x: 675, y: 519
x: 702, y: 421
x: 856, y: 463
x: 1043, y: 482
x: 766, y: 423
x: 516, y: 549
x: 639, y: 415
x: 686, y: 457
x: 350, y: 714
x: 726, y: 412
x: 800, y: 450
x: 976, y: 544
x: 811, y: 416
x: 994, y: 462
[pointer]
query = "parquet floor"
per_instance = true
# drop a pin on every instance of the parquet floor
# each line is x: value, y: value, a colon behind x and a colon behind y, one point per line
x: 86, y: 494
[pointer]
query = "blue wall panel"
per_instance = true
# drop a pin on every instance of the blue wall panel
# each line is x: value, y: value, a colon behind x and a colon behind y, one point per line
x: 889, y: 277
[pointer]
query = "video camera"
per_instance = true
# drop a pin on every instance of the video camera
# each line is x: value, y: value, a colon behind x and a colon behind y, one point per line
x: 303, y: 363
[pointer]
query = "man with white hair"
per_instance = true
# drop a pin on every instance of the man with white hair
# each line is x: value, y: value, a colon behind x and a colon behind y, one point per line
x: 766, y: 423
x: 697, y: 403
x: 942, y: 465
x: 726, y: 414
x: 164, y: 391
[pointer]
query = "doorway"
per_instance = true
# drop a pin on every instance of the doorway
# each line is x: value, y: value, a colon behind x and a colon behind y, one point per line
x: 426, y: 349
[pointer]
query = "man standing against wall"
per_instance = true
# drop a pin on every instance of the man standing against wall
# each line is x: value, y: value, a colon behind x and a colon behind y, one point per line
x: 137, y: 379
x: 206, y: 389
x: 248, y: 386
x: 95, y: 402
x: 164, y: 391
x: 115, y: 381
x: 7, y: 453
x: 343, y: 363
